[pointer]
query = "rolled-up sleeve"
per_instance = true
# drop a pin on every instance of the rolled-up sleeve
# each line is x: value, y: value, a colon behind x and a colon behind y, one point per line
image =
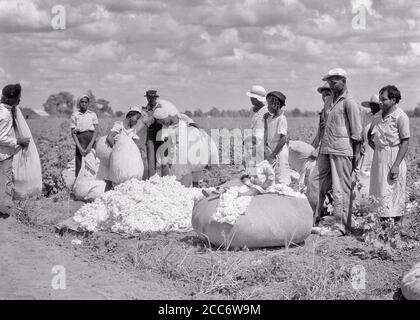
x: 355, y: 119
x: 73, y: 121
x: 403, y: 124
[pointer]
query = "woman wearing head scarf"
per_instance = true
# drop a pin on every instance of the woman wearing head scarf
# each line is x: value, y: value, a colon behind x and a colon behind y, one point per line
x: 84, y: 130
x: 131, y: 126
x: 185, y: 150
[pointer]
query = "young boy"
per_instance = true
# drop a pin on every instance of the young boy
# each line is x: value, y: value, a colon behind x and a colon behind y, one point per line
x: 84, y: 130
x: 276, y: 151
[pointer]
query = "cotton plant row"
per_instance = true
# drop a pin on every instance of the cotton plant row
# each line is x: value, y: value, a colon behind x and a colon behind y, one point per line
x: 158, y: 204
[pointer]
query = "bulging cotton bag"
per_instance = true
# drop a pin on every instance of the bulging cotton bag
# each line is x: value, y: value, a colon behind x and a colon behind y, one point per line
x: 126, y: 162
x: 26, y: 164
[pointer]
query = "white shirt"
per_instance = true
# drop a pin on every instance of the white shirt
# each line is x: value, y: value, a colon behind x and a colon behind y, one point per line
x: 82, y: 122
x: 275, y: 127
x: 8, y: 143
x: 257, y: 120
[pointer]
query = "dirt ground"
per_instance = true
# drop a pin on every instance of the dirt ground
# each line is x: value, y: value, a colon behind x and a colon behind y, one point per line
x: 28, y: 258
x: 182, y: 266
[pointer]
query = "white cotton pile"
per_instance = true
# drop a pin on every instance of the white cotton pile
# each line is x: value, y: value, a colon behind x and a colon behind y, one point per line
x: 232, y: 205
x: 284, y: 190
x: 158, y: 204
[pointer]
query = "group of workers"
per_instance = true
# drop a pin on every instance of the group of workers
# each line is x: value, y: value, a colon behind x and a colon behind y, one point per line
x: 345, y: 136
x: 348, y: 140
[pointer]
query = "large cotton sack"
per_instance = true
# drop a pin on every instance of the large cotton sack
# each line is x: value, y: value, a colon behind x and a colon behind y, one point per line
x: 299, y: 152
x: 126, y: 162
x: 26, y: 164
x: 103, y: 150
x: 270, y: 221
x: 410, y: 285
x: 86, y: 187
x: 68, y: 174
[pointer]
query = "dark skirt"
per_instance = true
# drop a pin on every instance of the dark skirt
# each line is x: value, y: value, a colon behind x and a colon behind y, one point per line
x: 84, y: 139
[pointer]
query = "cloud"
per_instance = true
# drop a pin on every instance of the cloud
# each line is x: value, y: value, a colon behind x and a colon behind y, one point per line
x: 120, y: 78
x: 4, y: 76
x: 108, y: 51
x: 20, y: 16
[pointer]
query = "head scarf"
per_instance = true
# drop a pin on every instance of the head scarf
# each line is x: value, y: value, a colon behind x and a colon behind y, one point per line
x: 164, y: 110
x: 81, y: 97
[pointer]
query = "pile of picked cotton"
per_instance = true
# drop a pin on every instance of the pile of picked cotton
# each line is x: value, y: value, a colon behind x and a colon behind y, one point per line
x: 236, y: 200
x: 158, y: 204
x: 232, y: 205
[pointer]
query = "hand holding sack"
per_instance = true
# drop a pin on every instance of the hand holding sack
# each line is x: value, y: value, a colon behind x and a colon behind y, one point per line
x: 26, y: 164
x: 125, y: 162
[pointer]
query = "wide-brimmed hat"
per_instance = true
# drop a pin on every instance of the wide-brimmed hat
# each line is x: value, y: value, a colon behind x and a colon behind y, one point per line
x: 373, y: 100
x: 335, y: 72
x: 257, y: 92
x: 151, y: 93
x: 134, y: 109
x: 278, y: 95
x: 325, y: 87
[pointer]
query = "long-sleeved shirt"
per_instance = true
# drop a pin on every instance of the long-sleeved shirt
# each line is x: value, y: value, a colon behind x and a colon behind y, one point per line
x: 343, y: 123
x: 8, y: 143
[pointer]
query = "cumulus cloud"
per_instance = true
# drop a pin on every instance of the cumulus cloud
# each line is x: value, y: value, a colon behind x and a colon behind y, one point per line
x: 19, y: 16
x: 208, y: 45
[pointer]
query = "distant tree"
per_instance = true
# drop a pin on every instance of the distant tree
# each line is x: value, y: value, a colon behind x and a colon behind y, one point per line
x: 188, y: 113
x: 103, y: 105
x: 61, y: 103
x: 119, y: 114
x: 296, y: 112
x: 198, y: 113
x: 214, y: 112
x: 416, y: 112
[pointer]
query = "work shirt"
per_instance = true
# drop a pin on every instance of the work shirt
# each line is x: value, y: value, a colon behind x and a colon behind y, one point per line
x: 275, y: 127
x: 82, y: 122
x: 343, y: 123
x: 121, y: 127
x: 8, y: 143
x: 391, y: 130
x: 257, y: 120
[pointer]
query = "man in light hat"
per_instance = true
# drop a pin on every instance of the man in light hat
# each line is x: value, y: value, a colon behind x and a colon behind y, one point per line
x: 9, y: 145
x: 339, y: 153
x: 259, y: 109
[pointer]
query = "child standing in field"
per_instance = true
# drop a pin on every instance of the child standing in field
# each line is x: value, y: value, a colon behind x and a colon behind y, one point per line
x: 276, y: 151
x: 388, y: 136
x: 84, y: 130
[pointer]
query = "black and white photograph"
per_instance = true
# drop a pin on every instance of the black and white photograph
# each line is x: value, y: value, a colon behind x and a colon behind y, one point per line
x: 209, y: 155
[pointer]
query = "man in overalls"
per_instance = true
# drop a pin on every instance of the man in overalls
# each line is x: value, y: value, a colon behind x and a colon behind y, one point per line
x: 339, y: 152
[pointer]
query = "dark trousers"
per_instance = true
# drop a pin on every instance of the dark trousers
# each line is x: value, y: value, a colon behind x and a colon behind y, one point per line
x: 84, y: 139
x: 152, y: 146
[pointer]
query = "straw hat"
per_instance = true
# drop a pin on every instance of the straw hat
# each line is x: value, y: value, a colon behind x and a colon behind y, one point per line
x: 373, y: 100
x: 257, y: 92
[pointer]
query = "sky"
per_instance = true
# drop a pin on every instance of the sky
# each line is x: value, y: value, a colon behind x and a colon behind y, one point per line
x: 208, y: 53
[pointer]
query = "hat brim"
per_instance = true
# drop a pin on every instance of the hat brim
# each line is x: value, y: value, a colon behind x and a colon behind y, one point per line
x: 367, y: 104
x: 252, y: 95
x: 323, y: 89
x: 325, y: 78
x: 151, y: 96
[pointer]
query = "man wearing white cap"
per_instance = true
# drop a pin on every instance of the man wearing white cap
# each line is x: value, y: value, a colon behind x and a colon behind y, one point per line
x: 259, y: 108
x: 339, y: 153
